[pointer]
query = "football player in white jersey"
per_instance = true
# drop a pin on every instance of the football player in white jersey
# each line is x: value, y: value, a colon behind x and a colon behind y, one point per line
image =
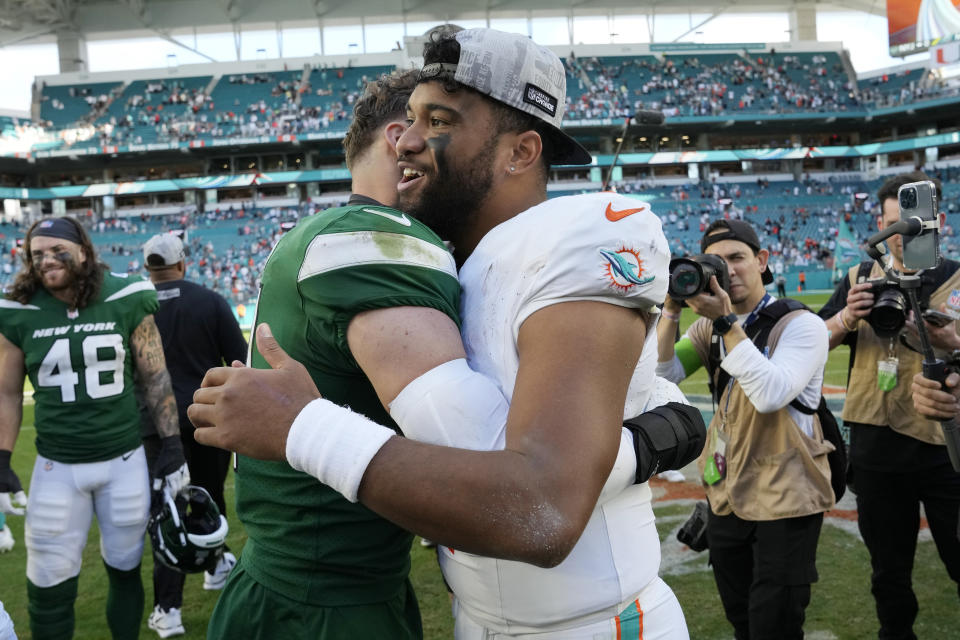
x: 559, y: 305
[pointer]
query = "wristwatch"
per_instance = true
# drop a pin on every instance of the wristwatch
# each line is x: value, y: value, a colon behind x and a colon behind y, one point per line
x: 723, y: 324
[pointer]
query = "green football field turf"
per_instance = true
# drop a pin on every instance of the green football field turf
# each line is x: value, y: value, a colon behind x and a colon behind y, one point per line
x: 841, y: 606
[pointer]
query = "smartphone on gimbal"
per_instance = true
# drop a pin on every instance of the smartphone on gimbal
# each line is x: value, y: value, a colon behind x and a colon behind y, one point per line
x: 919, y: 199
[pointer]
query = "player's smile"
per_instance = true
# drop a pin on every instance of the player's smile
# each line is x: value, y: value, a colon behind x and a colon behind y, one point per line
x: 411, y: 176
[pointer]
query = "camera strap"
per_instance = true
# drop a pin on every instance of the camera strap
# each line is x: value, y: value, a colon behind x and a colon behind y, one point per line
x: 757, y: 326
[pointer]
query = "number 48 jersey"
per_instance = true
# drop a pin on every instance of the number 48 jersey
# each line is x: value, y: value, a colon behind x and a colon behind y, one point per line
x: 81, y: 367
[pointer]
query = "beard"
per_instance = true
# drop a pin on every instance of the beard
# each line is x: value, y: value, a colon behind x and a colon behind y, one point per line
x: 73, y: 273
x: 448, y: 202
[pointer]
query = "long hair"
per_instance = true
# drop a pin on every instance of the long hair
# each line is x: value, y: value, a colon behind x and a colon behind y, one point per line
x: 88, y: 276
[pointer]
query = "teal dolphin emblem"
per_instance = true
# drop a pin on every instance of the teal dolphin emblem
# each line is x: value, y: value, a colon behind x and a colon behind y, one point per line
x: 625, y: 267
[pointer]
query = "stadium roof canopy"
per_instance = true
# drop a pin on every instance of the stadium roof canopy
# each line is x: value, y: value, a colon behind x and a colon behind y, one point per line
x: 22, y: 20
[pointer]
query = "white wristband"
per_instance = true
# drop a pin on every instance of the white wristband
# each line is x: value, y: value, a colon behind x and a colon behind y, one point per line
x: 334, y: 445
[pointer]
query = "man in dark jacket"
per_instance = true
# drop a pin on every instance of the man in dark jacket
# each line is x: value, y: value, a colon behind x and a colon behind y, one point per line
x: 199, y: 331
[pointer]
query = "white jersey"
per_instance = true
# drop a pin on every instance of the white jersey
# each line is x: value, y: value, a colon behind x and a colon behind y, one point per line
x: 602, y: 247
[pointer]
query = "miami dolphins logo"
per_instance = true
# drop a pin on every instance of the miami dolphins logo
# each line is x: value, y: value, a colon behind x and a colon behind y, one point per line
x: 624, y: 268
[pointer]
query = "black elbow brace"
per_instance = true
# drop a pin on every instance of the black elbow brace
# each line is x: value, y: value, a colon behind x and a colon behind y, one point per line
x: 666, y: 437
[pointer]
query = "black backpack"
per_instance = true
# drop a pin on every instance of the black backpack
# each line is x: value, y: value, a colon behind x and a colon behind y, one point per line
x: 759, y: 331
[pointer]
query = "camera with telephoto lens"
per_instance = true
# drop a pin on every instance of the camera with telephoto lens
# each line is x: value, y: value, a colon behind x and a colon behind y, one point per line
x: 691, y: 274
x: 890, y: 307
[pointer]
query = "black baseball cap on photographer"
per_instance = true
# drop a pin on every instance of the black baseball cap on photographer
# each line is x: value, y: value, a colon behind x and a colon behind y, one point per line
x: 734, y: 230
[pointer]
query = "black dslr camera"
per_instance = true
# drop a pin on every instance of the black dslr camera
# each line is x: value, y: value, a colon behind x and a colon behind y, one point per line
x: 889, y: 312
x: 691, y: 274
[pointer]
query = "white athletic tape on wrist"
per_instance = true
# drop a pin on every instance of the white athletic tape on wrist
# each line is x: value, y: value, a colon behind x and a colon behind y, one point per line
x: 454, y: 406
x: 334, y: 445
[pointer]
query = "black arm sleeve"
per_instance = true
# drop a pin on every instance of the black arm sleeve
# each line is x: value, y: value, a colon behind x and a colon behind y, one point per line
x: 666, y: 437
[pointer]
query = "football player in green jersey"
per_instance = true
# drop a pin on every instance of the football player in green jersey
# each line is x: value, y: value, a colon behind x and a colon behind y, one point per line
x: 315, y: 564
x: 79, y: 333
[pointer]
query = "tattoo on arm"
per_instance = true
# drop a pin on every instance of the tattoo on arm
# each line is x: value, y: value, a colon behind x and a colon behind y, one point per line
x: 12, y: 373
x: 154, y: 378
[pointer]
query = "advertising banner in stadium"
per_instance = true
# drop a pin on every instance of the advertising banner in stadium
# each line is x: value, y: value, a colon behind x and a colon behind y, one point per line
x: 917, y: 25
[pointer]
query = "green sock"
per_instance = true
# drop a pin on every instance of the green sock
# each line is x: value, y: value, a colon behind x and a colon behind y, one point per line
x: 3, y: 519
x: 51, y: 609
x: 124, y: 602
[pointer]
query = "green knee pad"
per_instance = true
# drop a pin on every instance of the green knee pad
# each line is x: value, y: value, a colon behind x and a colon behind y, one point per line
x: 51, y: 609
x: 124, y: 602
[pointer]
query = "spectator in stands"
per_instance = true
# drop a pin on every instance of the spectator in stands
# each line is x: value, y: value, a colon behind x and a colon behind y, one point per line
x: 198, y: 332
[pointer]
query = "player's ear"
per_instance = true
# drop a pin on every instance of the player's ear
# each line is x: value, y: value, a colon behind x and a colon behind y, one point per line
x: 392, y: 133
x: 525, y: 152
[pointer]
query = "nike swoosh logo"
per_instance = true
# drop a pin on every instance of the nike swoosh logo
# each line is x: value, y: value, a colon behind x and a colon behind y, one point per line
x: 401, y: 219
x: 127, y: 456
x: 613, y: 215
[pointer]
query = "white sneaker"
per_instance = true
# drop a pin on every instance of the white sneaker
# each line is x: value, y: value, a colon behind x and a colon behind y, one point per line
x: 215, y: 581
x: 6, y: 539
x: 166, y: 623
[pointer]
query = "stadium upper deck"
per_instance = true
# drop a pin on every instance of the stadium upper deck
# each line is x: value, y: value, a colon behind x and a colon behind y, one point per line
x: 211, y: 105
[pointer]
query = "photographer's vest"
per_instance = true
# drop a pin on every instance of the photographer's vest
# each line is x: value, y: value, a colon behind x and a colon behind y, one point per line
x: 773, y: 469
x: 866, y: 403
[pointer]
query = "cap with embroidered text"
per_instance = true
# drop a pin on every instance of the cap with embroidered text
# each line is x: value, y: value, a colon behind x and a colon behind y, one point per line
x: 513, y: 69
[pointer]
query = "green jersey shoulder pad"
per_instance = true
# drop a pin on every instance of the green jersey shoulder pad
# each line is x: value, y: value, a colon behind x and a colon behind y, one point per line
x: 367, y: 235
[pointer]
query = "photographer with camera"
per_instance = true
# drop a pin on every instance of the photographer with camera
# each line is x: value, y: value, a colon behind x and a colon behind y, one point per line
x: 897, y: 457
x: 765, y: 463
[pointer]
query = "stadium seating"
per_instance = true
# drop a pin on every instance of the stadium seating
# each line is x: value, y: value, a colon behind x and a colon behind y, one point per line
x: 332, y: 92
x: 65, y: 105
x: 707, y: 84
x: 279, y: 103
x: 145, y: 103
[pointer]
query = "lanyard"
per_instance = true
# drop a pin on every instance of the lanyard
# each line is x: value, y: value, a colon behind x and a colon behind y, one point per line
x: 756, y: 310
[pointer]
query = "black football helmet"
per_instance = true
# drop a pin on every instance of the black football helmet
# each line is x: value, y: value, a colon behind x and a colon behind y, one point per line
x: 187, y: 531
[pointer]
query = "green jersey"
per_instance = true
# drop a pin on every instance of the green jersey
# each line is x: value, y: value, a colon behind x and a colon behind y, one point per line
x: 306, y: 541
x: 81, y: 367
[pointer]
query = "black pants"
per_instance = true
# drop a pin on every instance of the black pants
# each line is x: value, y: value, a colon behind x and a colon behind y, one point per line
x: 763, y: 572
x: 208, y: 469
x: 888, y: 508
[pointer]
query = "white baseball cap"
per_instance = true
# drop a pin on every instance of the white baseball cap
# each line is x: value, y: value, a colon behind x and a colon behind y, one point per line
x: 163, y: 250
x: 513, y: 69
